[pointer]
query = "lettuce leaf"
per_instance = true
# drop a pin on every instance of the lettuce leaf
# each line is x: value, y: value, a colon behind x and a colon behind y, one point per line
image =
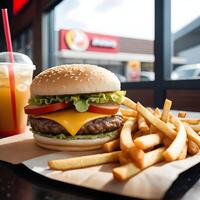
x: 81, y: 102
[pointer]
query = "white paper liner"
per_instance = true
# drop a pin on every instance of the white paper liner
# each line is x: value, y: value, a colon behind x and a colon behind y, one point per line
x: 151, y: 183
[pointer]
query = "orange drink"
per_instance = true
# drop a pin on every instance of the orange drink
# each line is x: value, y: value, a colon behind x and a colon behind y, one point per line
x: 23, y: 77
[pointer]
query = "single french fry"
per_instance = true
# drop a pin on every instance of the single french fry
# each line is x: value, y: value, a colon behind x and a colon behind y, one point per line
x: 136, y: 154
x: 167, y: 141
x: 157, y: 112
x: 150, y: 110
x: 192, y: 147
x: 166, y: 109
x: 83, y: 161
x: 129, y: 103
x: 192, y: 135
x: 147, y: 141
x: 159, y: 124
x: 111, y: 146
x: 126, y: 141
x: 182, y: 114
x: 151, y: 158
x: 183, y: 153
x: 190, y: 120
x: 196, y: 128
x: 174, y: 150
x: 142, y: 124
x: 125, y: 171
x: 199, y: 133
x: 124, y: 158
x: 128, y: 112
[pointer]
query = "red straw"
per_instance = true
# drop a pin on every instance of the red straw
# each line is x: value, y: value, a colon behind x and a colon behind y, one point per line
x: 11, y: 67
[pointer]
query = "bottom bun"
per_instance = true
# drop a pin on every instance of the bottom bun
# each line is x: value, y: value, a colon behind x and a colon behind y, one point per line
x: 71, y: 145
x: 67, y: 148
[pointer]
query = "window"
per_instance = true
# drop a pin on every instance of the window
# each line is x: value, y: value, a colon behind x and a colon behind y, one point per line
x: 185, y: 26
x: 115, y: 34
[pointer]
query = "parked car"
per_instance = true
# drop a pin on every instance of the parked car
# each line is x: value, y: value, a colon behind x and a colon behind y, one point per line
x: 186, y: 72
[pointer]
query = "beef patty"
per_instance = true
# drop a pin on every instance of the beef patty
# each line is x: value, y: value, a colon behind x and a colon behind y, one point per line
x: 100, y: 125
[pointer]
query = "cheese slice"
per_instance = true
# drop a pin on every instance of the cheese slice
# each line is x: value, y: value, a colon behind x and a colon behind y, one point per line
x: 71, y: 120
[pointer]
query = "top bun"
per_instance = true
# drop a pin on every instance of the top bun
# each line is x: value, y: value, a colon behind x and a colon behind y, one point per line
x: 74, y: 79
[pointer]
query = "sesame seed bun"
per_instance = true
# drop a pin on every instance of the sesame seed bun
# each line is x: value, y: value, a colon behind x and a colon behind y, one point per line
x: 74, y: 79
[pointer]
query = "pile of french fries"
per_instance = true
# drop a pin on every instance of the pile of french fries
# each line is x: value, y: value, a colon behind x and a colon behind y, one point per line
x: 148, y: 136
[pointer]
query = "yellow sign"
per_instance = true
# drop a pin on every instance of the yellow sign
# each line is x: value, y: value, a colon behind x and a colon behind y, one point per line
x: 77, y: 40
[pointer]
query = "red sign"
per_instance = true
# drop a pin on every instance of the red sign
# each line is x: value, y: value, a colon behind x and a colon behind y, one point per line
x: 77, y: 40
x: 18, y: 5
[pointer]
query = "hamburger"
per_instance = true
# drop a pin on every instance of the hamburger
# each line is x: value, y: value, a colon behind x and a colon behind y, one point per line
x: 75, y: 107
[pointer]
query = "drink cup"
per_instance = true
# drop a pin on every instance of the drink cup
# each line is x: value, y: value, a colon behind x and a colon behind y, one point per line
x: 23, y: 72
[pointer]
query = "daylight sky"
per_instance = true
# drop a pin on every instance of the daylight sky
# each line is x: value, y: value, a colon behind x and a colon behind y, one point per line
x: 127, y: 18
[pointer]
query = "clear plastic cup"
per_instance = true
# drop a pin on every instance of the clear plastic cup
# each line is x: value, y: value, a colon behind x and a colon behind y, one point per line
x: 23, y: 71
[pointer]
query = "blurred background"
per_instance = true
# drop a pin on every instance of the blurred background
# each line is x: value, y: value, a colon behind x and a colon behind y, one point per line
x: 153, y: 46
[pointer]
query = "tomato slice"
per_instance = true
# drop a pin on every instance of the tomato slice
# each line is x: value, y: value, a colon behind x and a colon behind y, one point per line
x: 37, y: 110
x: 104, y: 108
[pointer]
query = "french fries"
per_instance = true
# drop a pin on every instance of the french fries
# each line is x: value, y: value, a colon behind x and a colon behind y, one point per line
x: 192, y: 147
x: 147, y: 141
x: 182, y: 114
x: 175, y: 148
x: 148, y: 136
x: 125, y: 171
x: 166, y: 109
x: 128, y: 112
x: 159, y: 124
x: 136, y: 154
x: 151, y: 158
x: 124, y: 158
x: 84, y: 161
x: 190, y: 120
x: 167, y: 141
x: 126, y: 141
x: 196, y: 128
x: 183, y: 153
x: 111, y: 146
x: 142, y: 124
x: 192, y: 135
x: 157, y: 112
x: 129, y: 103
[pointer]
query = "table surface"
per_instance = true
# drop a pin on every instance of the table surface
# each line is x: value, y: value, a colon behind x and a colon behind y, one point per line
x: 19, y: 183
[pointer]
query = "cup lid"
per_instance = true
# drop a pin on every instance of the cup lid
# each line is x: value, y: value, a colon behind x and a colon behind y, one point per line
x: 19, y: 59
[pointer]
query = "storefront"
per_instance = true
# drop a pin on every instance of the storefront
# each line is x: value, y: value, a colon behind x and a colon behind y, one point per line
x: 111, y: 52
